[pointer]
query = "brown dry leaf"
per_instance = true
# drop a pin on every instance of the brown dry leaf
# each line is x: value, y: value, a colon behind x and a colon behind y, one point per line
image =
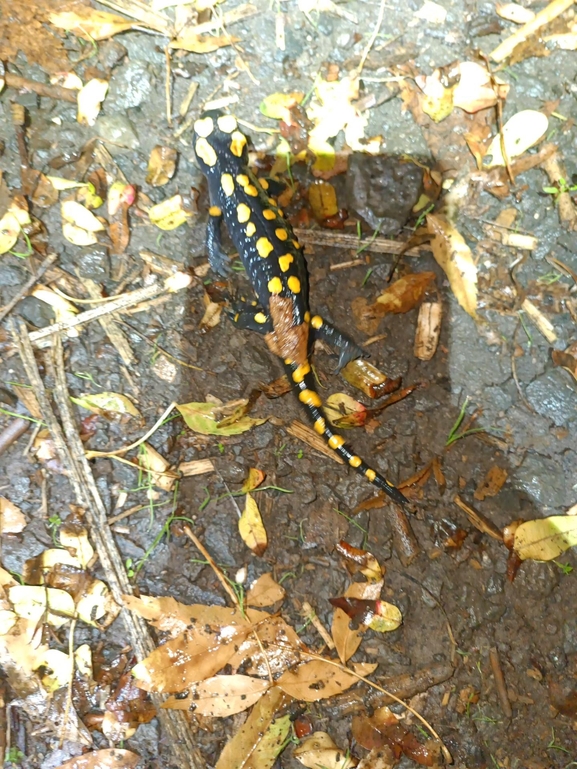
x: 345, y: 412
x: 365, y: 591
x: 257, y: 743
x: 428, y: 330
x: 357, y: 560
x: 367, y: 378
x: 319, y: 750
x: 282, y: 645
x: 90, y: 24
x: 212, y: 314
x: 323, y: 200
x: 492, y: 483
x: 320, y: 679
x: 379, y: 758
x: 264, y: 591
x: 406, y: 292
x: 475, y: 90
x: 253, y: 481
x: 156, y: 466
x: 455, y: 257
x: 221, y: 696
x: 347, y: 641
x: 108, y: 758
x: 545, y: 538
x: 195, y: 43
x: 120, y: 197
x: 161, y: 165
x: 171, y: 616
x: 199, y: 652
x: 251, y: 527
x: 12, y: 520
x: 566, y: 359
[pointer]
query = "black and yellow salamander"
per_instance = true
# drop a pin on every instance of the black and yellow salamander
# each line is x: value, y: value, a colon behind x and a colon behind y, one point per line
x: 276, y: 267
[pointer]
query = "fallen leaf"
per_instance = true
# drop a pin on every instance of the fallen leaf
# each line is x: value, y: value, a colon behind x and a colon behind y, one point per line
x: 520, y: 132
x: 319, y: 750
x: 278, y: 105
x: 254, y: 479
x: 264, y: 591
x: 492, y: 483
x: 406, y: 292
x: 90, y: 24
x: 455, y: 257
x: 169, y: 214
x: 514, y: 12
x: 156, y: 466
x: 161, y: 165
x: 545, y: 538
x: 108, y: 758
x: 201, y: 418
x: 436, y: 100
x: 90, y: 99
x: 362, y: 561
x: 64, y: 310
x: 260, y: 739
x: 103, y: 402
x: 367, y: 378
x: 428, y: 330
x: 80, y: 216
x: 11, y: 224
x: 345, y: 412
x: 347, y: 640
x: 323, y: 200
x: 74, y: 537
x: 319, y: 679
x: 77, y: 236
x: 42, y: 604
x: 221, y: 696
x: 12, y: 520
x: 475, y: 90
x: 566, y: 359
x: 251, y: 527
x: 190, y: 41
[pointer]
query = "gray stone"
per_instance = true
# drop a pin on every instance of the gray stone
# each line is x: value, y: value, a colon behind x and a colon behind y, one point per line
x: 94, y: 263
x: 11, y: 276
x: 35, y: 311
x: 118, y: 130
x: 552, y: 396
x: 131, y: 86
x: 543, y: 480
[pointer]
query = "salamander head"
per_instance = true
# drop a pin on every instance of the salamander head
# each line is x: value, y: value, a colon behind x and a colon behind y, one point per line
x: 218, y: 142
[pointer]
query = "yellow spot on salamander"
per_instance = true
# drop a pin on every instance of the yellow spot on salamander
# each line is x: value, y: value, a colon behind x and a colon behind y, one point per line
x: 320, y: 426
x: 371, y: 475
x: 272, y: 201
x: 281, y: 234
x: 237, y: 144
x: 264, y: 184
x: 296, y: 244
x: 275, y: 285
x: 260, y: 317
x: 317, y: 321
x: 205, y: 152
x: 250, y: 229
x: 227, y: 184
x: 336, y: 441
x: 251, y: 190
x: 294, y: 284
x: 243, y: 180
x: 355, y: 461
x: 204, y: 127
x: 279, y: 212
x: 310, y: 398
x: 268, y: 214
x: 285, y: 261
x: 243, y: 212
x: 288, y: 361
x: 215, y: 211
x: 227, y: 123
x: 264, y: 247
x: 300, y: 373
x: 307, y: 317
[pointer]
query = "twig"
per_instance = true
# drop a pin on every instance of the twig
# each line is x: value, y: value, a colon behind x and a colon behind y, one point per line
x: 500, y: 682
x: 178, y: 734
x: 479, y: 521
x: 555, y: 171
x: 311, y: 616
x: 145, y: 437
x: 42, y: 89
x: 167, y: 84
x: 219, y: 575
x: 554, y: 9
x: 340, y: 240
x: 371, y: 41
x: 123, y: 302
x: 28, y: 285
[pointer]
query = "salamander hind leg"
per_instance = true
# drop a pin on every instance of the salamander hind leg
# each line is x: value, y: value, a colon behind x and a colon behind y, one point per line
x: 248, y: 315
x: 348, y: 349
x: 217, y: 257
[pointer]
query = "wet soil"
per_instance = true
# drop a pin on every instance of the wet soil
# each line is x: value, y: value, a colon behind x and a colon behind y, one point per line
x: 532, y: 622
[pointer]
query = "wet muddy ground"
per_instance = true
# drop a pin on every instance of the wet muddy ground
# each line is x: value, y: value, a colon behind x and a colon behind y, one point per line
x: 532, y: 622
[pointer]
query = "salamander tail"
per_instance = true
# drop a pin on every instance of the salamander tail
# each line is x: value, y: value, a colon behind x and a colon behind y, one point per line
x: 303, y: 383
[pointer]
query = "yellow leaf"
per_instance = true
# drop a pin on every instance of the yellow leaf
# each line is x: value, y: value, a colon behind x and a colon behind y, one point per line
x: 319, y: 679
x: 202, y: 43
x: 107, y: 401
x: 169, y: 214
x: 264, y: 591
x: 277, y: 105
x: 406, y: 292
x: 80, y: 216
x: 455, y: 257
x: 254, y: 479
x: 260, y: 739
x: 202, y: 418
x: 545, y: 538
x: 319, y: 750
x: 520, y: 132
x: 90, y: 24
x: 89, y: 99
x: 387, y: 618
x: 77, y: 236
x: 251, y: 527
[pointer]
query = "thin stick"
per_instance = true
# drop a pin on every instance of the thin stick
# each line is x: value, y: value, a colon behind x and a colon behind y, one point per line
x: 119, y: 304
x: 28, y: 285
x: 42, y: 89
x: 167, y: 84
x: 549, y: 13
x: 153, y: 429
x: 68, y: 705
x: 219, y: 575
x: 500, y: 682
x: 371, y: 41
x: 340, y: 240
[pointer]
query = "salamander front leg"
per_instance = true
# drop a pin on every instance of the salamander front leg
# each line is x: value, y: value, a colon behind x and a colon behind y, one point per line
x: 344, y: 345
x: 246, y: 315
x: 217, y: 257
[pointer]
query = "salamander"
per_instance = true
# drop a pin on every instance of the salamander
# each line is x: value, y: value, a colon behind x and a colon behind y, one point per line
x: 276, y: 267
